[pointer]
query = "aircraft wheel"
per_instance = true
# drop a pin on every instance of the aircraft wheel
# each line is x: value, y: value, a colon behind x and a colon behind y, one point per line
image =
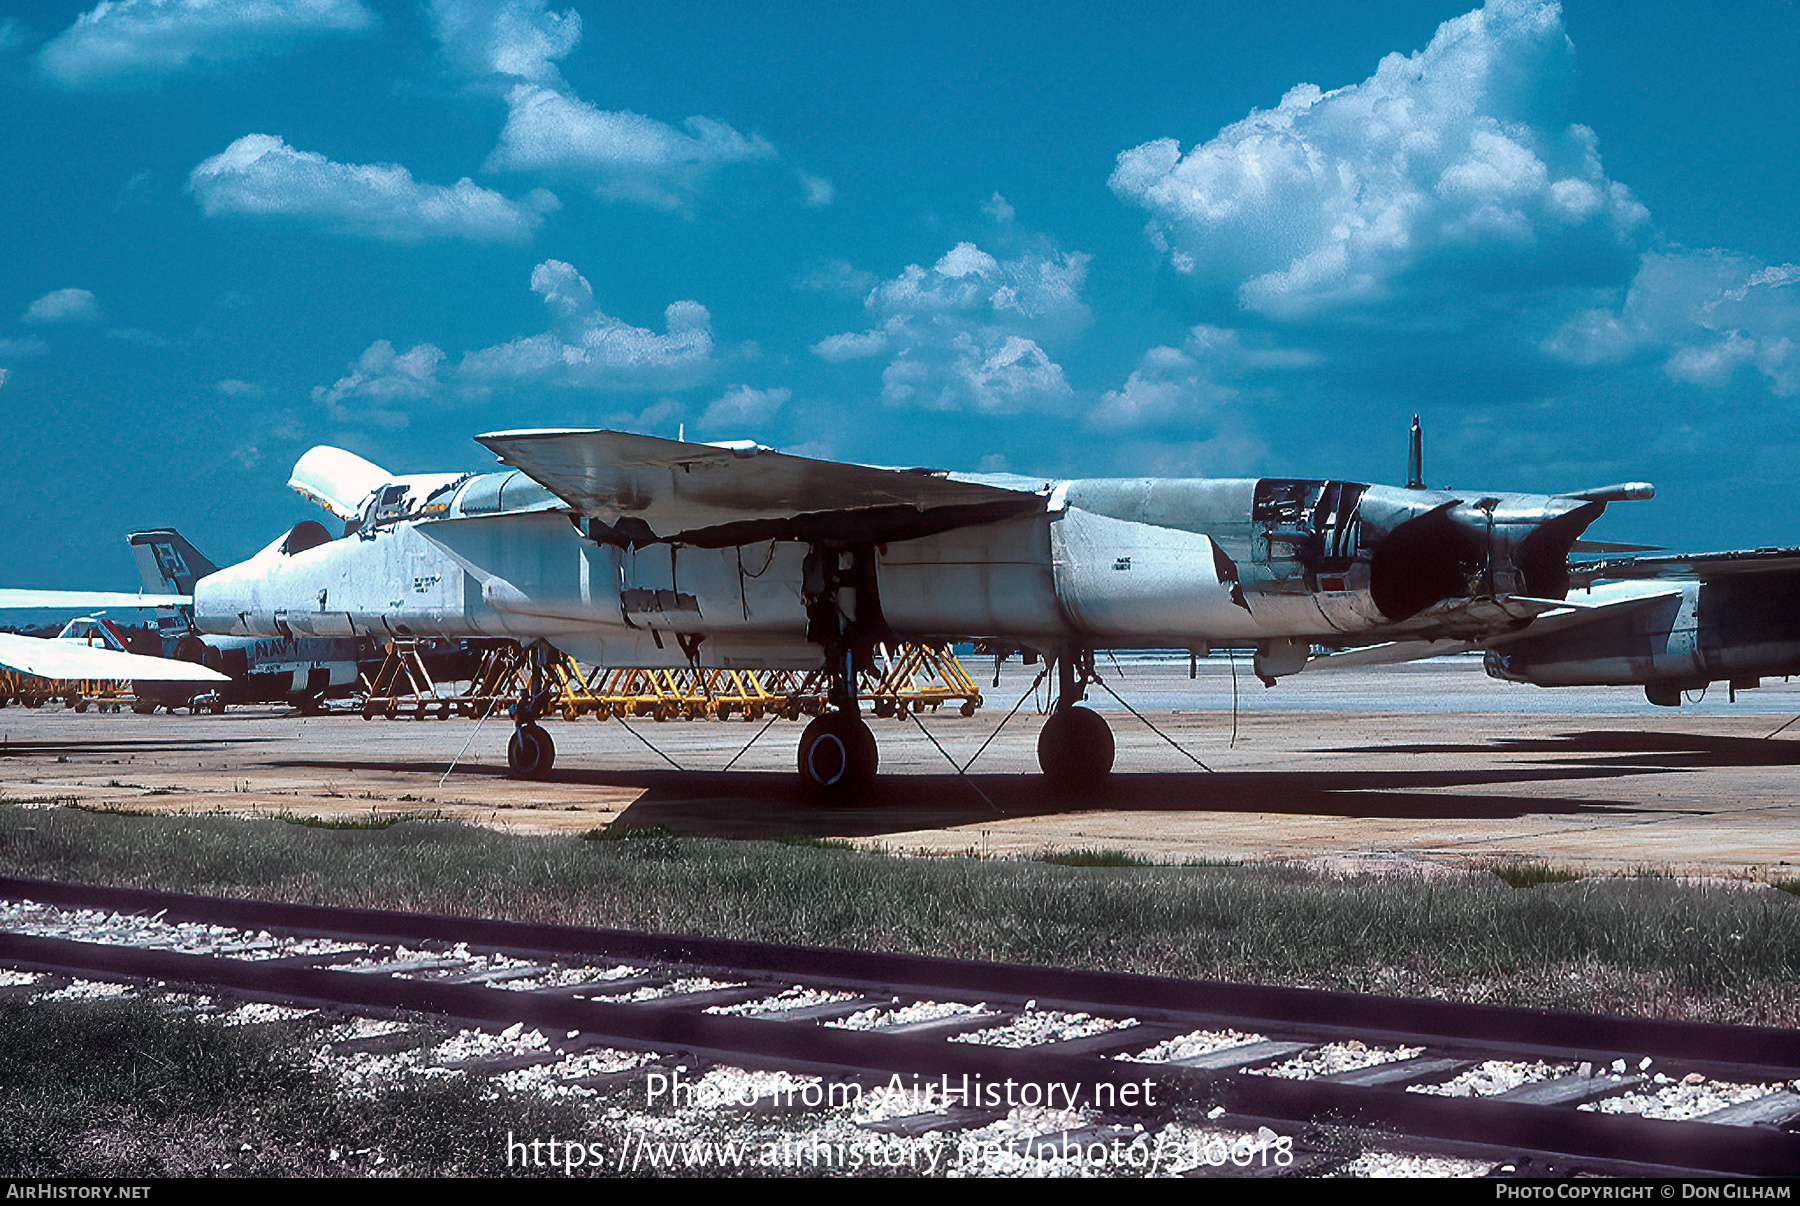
x: 838, y: 755
x: 530, y: 753
x: 1075, y: 748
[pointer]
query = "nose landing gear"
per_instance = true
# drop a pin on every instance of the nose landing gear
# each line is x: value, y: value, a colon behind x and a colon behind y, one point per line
x: 529, y: 752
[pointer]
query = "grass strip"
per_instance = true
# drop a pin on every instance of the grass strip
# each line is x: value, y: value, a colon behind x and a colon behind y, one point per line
x: 1641, y: 945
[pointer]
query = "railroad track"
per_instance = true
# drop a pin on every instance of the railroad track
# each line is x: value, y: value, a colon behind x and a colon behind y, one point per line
x: 1267, y: 1070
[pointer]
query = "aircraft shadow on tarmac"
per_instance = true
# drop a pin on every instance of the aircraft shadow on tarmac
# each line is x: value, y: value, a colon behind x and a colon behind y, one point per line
x: 1625, y: 750
x: 770, y: 803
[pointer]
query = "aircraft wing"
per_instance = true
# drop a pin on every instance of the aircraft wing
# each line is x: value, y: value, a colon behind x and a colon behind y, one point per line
x: 1389, y: 653
x: 1561, y: 615
x: 1687, y: 565
x: 641, y: 489
x: 73, y: 659
x: 13, y: 599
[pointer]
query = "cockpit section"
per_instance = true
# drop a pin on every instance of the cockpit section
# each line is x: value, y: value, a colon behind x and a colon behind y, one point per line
x: 504, y: 493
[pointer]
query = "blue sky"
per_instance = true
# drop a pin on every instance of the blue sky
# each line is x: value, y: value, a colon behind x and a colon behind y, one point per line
x: 1182, y: 240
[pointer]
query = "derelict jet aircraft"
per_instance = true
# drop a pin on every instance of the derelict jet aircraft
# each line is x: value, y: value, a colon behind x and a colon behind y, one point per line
x: 303, y: 671
x: 1672, y: 624
x: 627, y: 550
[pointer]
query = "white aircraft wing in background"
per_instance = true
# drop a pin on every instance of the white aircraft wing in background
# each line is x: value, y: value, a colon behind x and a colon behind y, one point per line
x: 14, y: 599
x: 72, y: 659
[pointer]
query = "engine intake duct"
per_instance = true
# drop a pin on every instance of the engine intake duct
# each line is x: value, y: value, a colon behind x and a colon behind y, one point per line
x: 1425, y: 560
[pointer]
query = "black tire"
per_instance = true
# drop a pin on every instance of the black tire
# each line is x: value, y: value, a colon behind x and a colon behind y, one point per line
x: 530, y: 753
x: 1075, y: 748
x: 837, y: 756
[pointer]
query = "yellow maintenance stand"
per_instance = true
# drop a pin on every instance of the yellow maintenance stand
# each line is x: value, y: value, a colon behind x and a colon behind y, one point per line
x: 906, y: 679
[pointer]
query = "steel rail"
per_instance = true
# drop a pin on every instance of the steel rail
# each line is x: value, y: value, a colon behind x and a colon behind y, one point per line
x: 1441, y: 1026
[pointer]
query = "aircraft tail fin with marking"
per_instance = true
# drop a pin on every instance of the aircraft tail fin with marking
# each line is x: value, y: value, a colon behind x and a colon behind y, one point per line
x: 167, y: 562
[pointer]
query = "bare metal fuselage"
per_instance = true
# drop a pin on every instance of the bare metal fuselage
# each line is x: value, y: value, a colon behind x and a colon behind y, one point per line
x: 1278, y: 564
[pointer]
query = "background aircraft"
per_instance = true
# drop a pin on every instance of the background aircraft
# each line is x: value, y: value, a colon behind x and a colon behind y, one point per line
x: 629, y: 550
x: 303, y: 671
x: 1671, y: 623
x: 88, y: 648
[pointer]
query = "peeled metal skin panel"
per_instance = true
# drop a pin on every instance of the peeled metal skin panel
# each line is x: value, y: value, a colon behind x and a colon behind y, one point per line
x: 72, y: 659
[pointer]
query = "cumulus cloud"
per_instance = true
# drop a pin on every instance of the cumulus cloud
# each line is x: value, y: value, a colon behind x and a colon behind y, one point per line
x: 588, y: 349
x: 136, y: 43
x: 505, y: 37
x: 742, y: 408
x: 1704, y: 314
x: 261, y: 175
x: 1169, y: 384
x: 964, y: 334
x: 515, y: 45
x: 64, y: 305
x: 1448, y: 173
x: 624, y: 156
x: 380, y: 386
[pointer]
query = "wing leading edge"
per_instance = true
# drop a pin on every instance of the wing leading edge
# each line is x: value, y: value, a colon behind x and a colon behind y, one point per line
x: 640, y: 490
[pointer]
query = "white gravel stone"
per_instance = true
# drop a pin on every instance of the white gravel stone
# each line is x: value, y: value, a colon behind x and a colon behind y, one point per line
x: 552, y: 1080
x: 791, y: 998
x: 1686, y: 1098
x: 1393, y: 1164
x: 1200, y: 1042
x: 257, y: 1012
x: 479, y: 1044
x: 676, y: 988
x: 1336, y: 1057
x: 1043, y: 1026
x: 87, y: 990
x: 1493, y: 1077
x: 918, y: 1011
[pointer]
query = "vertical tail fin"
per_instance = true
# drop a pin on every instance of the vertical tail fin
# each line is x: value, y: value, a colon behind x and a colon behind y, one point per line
x: 167, y: 562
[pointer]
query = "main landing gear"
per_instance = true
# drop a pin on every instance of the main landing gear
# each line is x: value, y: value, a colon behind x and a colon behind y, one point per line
x: 529, y: 752
x: 1075, y: 746
x: 837, y: 755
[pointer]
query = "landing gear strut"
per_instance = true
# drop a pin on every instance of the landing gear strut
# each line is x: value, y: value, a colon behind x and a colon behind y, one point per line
x: 530, y: 753
x: 1075, y: 746
x: 837, y: 755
